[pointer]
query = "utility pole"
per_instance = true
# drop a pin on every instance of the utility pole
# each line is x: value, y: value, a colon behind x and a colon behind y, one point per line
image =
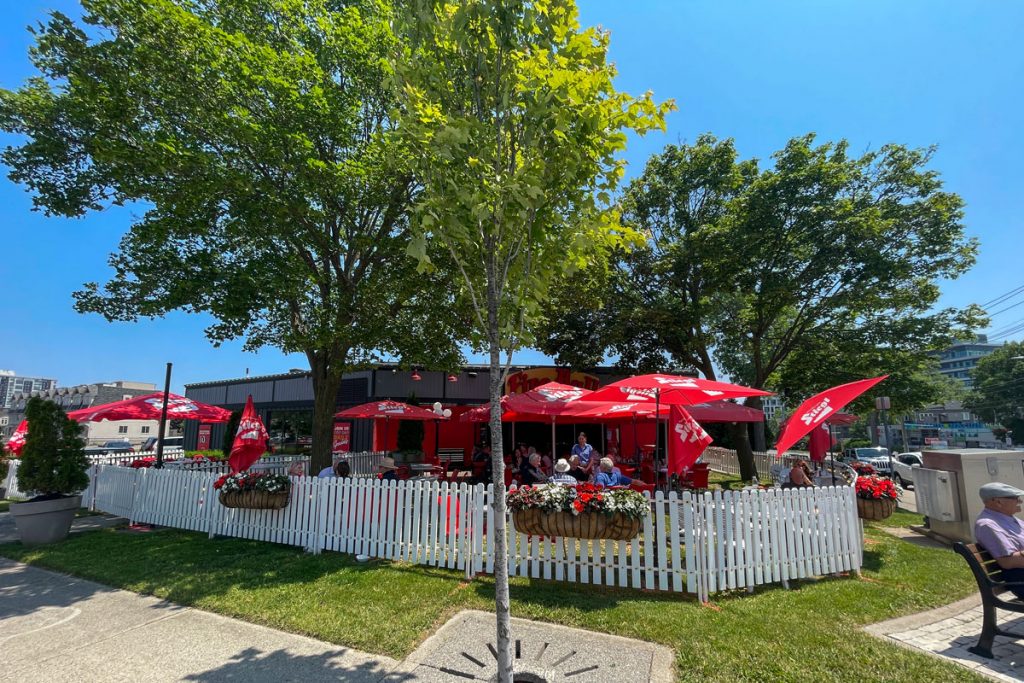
x: 882, y: 404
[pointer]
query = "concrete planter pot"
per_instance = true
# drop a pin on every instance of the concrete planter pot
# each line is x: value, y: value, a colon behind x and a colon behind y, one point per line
x: 45, y: 521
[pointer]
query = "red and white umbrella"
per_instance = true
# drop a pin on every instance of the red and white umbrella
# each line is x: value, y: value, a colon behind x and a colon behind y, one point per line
x: 17, y: 440
x: 250, y: 439
x: 386, y: 410
x: 671, y: 390
x: 818, y: 409
x: 149, y: 407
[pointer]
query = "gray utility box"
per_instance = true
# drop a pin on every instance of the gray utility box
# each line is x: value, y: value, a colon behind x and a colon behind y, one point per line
x: 948, y: 482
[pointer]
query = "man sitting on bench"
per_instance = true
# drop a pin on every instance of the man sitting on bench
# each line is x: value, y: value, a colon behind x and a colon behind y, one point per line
x: 1002, y: 534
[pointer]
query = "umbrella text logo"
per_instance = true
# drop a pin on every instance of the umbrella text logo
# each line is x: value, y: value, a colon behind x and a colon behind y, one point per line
x: 817, y: 413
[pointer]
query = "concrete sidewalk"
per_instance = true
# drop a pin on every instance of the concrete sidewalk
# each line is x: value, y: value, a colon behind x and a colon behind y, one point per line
x: 58, y: 628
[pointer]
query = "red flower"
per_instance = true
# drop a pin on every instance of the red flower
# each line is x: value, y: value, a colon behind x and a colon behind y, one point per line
x: 220, y: 482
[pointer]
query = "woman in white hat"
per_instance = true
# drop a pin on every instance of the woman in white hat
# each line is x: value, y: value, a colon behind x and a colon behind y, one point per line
x: 561, y: 475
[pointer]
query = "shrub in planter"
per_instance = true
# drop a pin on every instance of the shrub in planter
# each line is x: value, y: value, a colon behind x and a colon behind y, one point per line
x: 256, y: 490
x: 583, y: 511
x: 876, y: 497
x: 53, y: 466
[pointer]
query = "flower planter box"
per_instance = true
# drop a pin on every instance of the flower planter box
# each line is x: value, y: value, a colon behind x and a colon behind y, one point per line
x: 254, y: 500
x: 617, y: 527
x: 875, y: 509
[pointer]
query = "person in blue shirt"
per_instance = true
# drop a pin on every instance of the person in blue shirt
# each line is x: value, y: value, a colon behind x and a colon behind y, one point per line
x: 608, y: 475
x: 583, y: 451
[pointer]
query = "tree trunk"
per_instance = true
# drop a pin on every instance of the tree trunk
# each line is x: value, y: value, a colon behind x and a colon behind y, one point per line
x: 759, y: 441
x: 326, y: 382
x: 741, y: 440
x: 498, y: 535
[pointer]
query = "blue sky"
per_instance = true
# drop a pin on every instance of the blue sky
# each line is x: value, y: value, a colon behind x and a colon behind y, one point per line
x: 914, y: 72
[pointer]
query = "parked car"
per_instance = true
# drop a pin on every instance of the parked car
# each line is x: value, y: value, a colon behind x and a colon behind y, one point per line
x: 169, y: 442
x: 117, y: 446
x: 903, y: 468
x: 876, y: 456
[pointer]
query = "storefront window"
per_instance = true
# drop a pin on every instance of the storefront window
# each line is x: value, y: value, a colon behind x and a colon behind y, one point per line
x: 291, y: 431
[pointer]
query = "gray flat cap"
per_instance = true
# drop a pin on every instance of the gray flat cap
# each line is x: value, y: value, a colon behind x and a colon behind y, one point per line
x: 999, y: 490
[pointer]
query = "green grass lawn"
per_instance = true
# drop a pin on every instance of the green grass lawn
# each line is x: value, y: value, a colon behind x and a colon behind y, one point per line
x: 808, y: 633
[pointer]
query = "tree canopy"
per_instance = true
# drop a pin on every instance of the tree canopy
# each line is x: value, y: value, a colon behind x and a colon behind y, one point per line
x: 997, y: 387
x: 257, y: 137
x: 819, y: 269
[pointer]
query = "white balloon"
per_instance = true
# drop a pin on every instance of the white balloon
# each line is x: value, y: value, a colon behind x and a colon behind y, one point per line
x: 447, y: 412
x: 437, y: 407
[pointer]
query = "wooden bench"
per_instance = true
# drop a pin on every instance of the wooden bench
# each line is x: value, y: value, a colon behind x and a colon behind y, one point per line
x: 989, y: 575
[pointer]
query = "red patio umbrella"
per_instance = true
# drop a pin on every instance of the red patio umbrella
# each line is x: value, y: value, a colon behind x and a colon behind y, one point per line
x: 818, y: 408
x: 377, y: 410
x: 671, y: 390
x: 17, y: 440
x: 661, y: 389
x: 149, y: 407
x: 546, y: 402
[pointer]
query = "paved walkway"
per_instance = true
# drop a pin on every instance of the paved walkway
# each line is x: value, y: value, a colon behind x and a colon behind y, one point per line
x: 58, y: 628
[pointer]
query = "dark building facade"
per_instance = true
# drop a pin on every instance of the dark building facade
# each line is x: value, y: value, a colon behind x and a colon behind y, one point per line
x: 285, y: 402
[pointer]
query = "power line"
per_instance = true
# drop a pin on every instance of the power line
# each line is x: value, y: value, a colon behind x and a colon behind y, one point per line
x: 1004, y: 310
x: 1004, y: 328
x: 1006, y: 332
x: 1003, y: 297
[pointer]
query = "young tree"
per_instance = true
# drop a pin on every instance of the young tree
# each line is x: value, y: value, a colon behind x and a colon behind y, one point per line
x: 256, y: 136
x: 997, y: 387
x: 515, y: 123
x: 53, y: 462
x: 819, y: 270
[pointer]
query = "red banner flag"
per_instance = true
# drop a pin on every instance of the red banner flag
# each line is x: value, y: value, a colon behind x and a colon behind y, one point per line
x: 819, y: 408
x: 686, y: 440
x: 250, y: 439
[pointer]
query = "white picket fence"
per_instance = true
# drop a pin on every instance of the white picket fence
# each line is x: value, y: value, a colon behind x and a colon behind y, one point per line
x: 361, y: 463
x: 695, y: 543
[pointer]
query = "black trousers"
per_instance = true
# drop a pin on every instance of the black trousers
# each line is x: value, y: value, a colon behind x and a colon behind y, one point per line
x: 1012, y: 575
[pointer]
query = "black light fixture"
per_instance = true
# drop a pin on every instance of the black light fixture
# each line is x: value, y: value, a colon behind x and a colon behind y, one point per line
x: 471, y: 373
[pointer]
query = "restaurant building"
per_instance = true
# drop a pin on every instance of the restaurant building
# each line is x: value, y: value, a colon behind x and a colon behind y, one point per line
x: 285, y: 402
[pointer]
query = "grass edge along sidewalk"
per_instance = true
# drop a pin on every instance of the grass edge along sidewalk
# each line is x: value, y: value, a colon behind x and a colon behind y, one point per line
x: 811, y: 632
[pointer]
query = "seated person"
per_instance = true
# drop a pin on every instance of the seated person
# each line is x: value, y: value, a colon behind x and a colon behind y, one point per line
x: 561, y: 475
x: 609, y: 475
x: 799, y: 476
x: 1002, y: 534
x: 332, y: 471
x: 297, y: 469
x: 576, y: 471
x: 387, y: 469
x: 532, y: 473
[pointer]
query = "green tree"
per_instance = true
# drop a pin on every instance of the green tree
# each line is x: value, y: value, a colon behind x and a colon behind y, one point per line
x: 997, y: 387
x: 818, y: 270
x: 53, y: 462
x: 257, y: 140
x: 515, y: 124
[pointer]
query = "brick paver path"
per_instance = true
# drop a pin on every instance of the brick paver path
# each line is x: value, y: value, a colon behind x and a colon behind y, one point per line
x: 948, y: 631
